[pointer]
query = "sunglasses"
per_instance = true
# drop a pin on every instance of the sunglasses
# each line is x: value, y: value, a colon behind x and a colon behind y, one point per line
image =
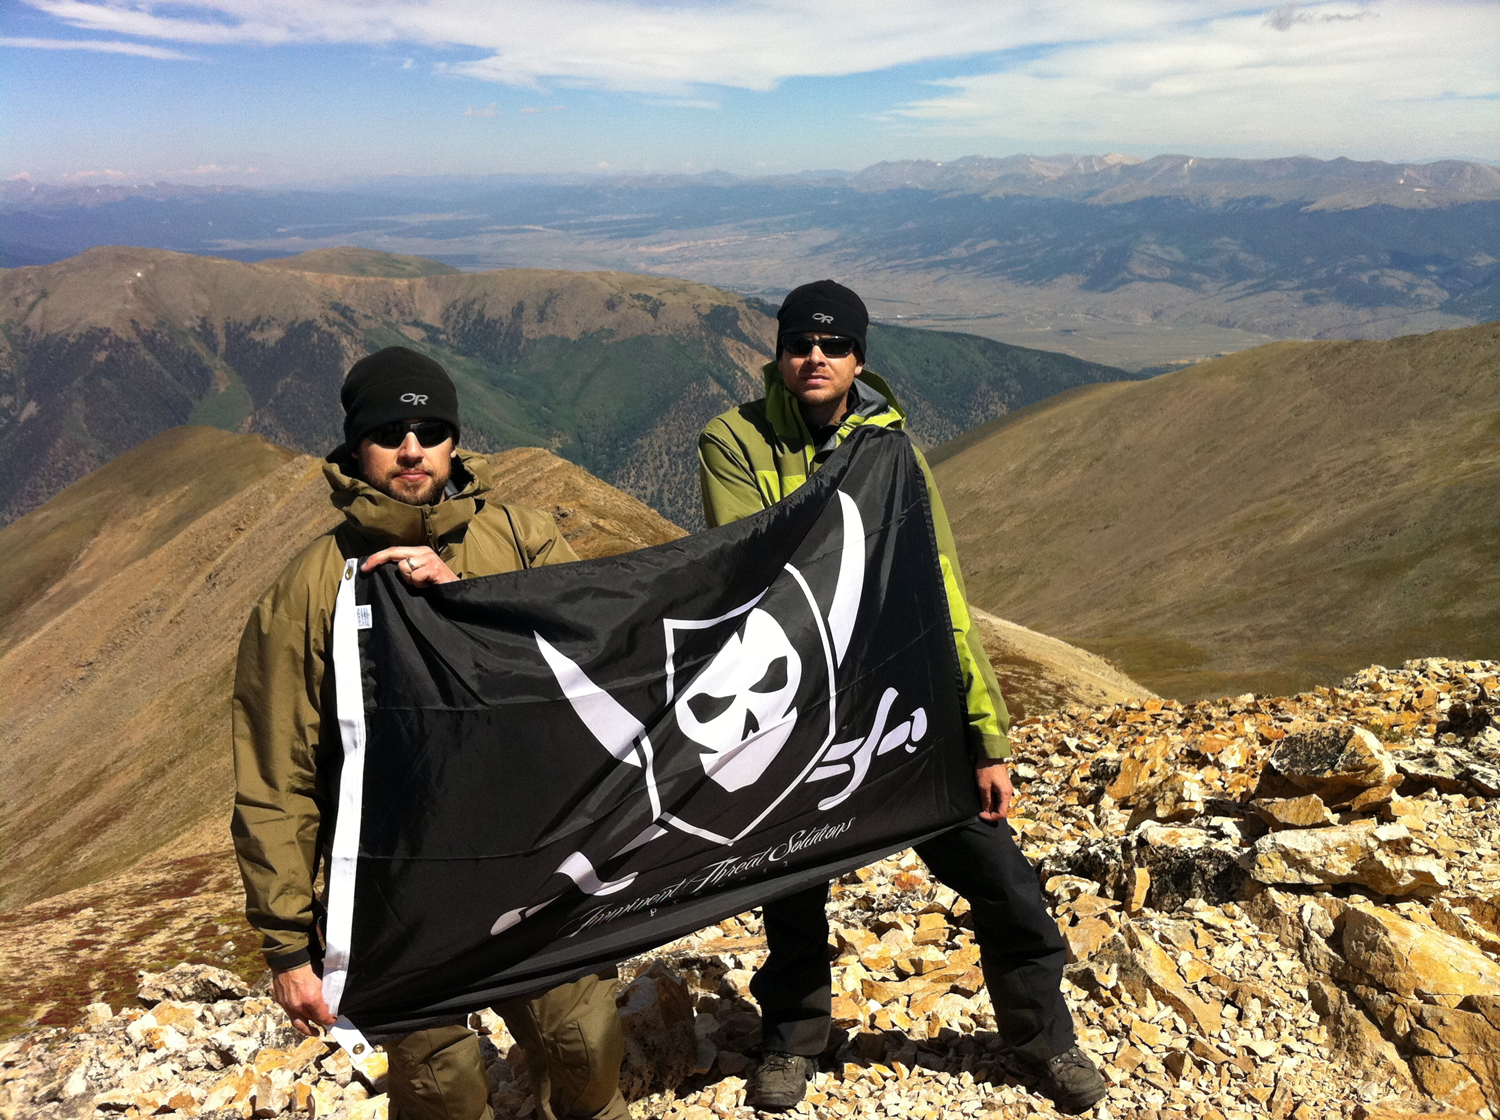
x: 429, y: 433
x: 837, y: 346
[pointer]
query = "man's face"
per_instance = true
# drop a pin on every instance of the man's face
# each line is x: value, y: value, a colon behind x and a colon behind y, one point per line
x: 409, y: 473
x: 816, y: 380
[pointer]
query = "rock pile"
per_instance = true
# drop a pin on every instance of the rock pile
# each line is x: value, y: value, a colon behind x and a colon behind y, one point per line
x: 1274, y: 907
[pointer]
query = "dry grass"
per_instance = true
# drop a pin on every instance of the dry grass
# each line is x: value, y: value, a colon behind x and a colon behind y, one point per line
x: 349, y: 261
x: 115, y: 676
x: 1258, y: 522
x: 61, y: 954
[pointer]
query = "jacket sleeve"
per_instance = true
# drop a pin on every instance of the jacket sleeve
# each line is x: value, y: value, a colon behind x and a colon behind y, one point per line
x: 277, y: 683
x: 557, y: 550
x: 538, y: 536
x: 989, y: 721
x: 730, y: 491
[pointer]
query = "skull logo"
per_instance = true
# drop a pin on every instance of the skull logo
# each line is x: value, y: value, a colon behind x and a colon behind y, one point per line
x: 740, y: 707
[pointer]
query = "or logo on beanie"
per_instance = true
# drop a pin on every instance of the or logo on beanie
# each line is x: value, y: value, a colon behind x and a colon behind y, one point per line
x: 396, y: 383
x: 812, y: 308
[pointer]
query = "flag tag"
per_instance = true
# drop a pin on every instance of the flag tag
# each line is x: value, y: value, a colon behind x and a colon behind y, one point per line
x: 363, y: 618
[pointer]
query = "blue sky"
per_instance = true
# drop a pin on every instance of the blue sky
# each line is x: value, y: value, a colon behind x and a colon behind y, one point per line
x: 283, y: 91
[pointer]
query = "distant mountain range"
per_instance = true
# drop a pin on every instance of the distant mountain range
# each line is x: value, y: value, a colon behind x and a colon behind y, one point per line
x: 1261, y: 522
x: 1095, y: 255
x: 1338, y: 184
x: 615, y: 372
x: 1104, y: 180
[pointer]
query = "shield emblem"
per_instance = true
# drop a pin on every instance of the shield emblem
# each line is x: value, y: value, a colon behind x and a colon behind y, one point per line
x: 750, y: 716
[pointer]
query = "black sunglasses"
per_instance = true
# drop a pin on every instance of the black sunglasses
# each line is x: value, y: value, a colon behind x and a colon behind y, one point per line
x: 429, y: 433
x: 835, y: 346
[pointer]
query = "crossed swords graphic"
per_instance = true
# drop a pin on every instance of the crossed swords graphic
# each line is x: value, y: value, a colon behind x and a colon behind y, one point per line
x: 627, y: 740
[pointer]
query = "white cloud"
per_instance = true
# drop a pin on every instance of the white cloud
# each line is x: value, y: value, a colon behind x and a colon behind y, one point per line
x: 102, y: 46
x: 645, y: 45
x: 530, y: 109
x: 1331, y: 76
x: 1308, y: 77
x: 79, y: 176
x: 488, y: 111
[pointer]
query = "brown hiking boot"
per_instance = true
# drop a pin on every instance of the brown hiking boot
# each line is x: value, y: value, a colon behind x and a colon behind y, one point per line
x: 1071, y: 1080
x: 780, y: 1081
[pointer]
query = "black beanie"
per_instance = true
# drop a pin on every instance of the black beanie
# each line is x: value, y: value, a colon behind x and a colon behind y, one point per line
x: 823, y: 307
x: 392, y: 384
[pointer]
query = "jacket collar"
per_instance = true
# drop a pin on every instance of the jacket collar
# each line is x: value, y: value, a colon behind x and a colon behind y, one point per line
x: 385, y: 521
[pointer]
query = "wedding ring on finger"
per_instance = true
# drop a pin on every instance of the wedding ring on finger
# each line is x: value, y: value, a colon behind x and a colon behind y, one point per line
x: 411, y: 563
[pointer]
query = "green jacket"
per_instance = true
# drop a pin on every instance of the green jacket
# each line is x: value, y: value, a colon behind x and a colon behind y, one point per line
x: 753, y: 456
x: 285, y: 768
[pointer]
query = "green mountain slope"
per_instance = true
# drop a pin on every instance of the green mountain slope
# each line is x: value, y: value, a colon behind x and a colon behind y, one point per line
x: 613, y: 371
x: 1257, y: 522
x: 359, y: 262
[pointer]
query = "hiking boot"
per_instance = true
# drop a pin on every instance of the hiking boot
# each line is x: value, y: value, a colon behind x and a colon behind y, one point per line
x: 780, y: 1081
x: 1072, y: 1080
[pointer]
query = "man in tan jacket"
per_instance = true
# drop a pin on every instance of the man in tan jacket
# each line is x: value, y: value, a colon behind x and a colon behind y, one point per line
x: 411, y: 498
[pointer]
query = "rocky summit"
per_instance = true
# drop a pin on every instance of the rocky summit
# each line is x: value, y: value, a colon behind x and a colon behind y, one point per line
x: 1283, y: 907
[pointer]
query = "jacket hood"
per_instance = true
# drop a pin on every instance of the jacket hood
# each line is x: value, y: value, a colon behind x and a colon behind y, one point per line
x: 384, y: 521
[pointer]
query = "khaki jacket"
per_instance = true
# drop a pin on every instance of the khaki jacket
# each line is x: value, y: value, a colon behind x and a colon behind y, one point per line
x: 285, y: 764
x: 752, y: 456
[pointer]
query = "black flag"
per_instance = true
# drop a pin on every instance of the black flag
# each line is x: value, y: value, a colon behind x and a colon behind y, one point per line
x: 548, y: 771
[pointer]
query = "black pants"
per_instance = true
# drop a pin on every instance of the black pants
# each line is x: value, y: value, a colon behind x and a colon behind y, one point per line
x: 1021, y: 951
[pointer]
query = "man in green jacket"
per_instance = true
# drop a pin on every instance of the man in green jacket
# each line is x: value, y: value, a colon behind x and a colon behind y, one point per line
x: 817, y: 392
x: 409, y: 498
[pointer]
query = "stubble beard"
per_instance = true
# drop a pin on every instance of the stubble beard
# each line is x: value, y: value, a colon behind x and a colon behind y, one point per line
x: 422, y: 494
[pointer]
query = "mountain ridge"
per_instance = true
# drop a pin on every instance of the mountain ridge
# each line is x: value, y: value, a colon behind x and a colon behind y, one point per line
x: 615, y: 371
x: 1339, y: 183
x: 1105, y: 179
